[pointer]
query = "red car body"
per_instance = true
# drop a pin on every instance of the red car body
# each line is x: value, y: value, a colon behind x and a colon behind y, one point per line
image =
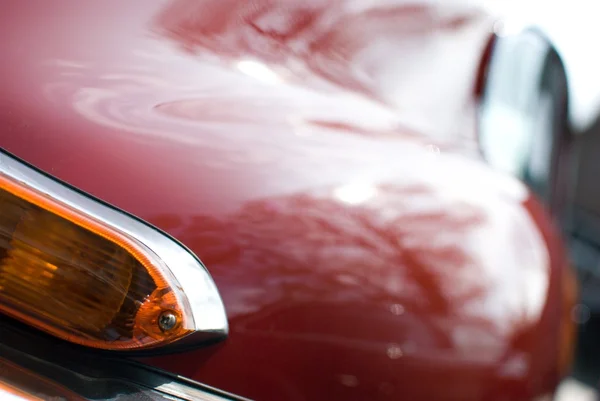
x: 320, y: 158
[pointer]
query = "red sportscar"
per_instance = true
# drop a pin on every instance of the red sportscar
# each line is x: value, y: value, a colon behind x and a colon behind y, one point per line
x: 280, y: 200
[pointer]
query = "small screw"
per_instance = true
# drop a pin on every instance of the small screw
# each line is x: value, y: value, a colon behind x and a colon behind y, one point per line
x: 167, y: 321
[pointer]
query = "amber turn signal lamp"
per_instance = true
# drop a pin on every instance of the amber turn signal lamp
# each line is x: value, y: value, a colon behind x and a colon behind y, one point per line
x: 76, y: 276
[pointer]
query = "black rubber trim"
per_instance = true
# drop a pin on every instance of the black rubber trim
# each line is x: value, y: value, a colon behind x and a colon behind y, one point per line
x: 90, y: 373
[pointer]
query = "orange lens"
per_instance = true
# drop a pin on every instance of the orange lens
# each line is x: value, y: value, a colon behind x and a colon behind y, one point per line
x: 79, y: 279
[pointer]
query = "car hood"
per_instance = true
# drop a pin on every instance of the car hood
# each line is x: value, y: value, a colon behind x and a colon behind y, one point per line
x: 319, y: 157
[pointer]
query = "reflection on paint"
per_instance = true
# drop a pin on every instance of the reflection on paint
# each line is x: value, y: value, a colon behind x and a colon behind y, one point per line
x: 397, y: 309
x: 258, y: 70
x: 410, y: 277
x: 310, y: 238
x: 355, y: 194
x: 394, y: 351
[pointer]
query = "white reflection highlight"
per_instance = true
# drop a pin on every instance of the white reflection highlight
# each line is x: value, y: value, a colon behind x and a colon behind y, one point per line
x: 394, y: 351
x: 355, y: 194
x: 397, y: 309
x: 571, y: 390
x: 258, y: 71
x: 7, y: 395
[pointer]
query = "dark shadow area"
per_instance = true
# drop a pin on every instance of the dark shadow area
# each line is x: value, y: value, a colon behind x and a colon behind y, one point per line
x: 587, y: 359
x: 583, y: 228
x: 52, y: 369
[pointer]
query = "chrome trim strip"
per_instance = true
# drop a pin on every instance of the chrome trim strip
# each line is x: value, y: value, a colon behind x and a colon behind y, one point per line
x: 187, y: 393
x: 208, y: 311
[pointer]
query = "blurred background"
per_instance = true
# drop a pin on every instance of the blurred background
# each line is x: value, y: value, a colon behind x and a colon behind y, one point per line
x: 573, y: 27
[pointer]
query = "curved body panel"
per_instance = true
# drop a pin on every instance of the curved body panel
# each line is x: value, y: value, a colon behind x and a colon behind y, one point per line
x: 319, y: 158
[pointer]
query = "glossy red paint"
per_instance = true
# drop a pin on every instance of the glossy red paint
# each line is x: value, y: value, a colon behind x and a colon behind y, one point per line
x: 318, y: 157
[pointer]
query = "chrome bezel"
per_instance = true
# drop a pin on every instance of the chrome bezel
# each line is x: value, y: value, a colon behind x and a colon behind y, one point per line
x: 206, y: 305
